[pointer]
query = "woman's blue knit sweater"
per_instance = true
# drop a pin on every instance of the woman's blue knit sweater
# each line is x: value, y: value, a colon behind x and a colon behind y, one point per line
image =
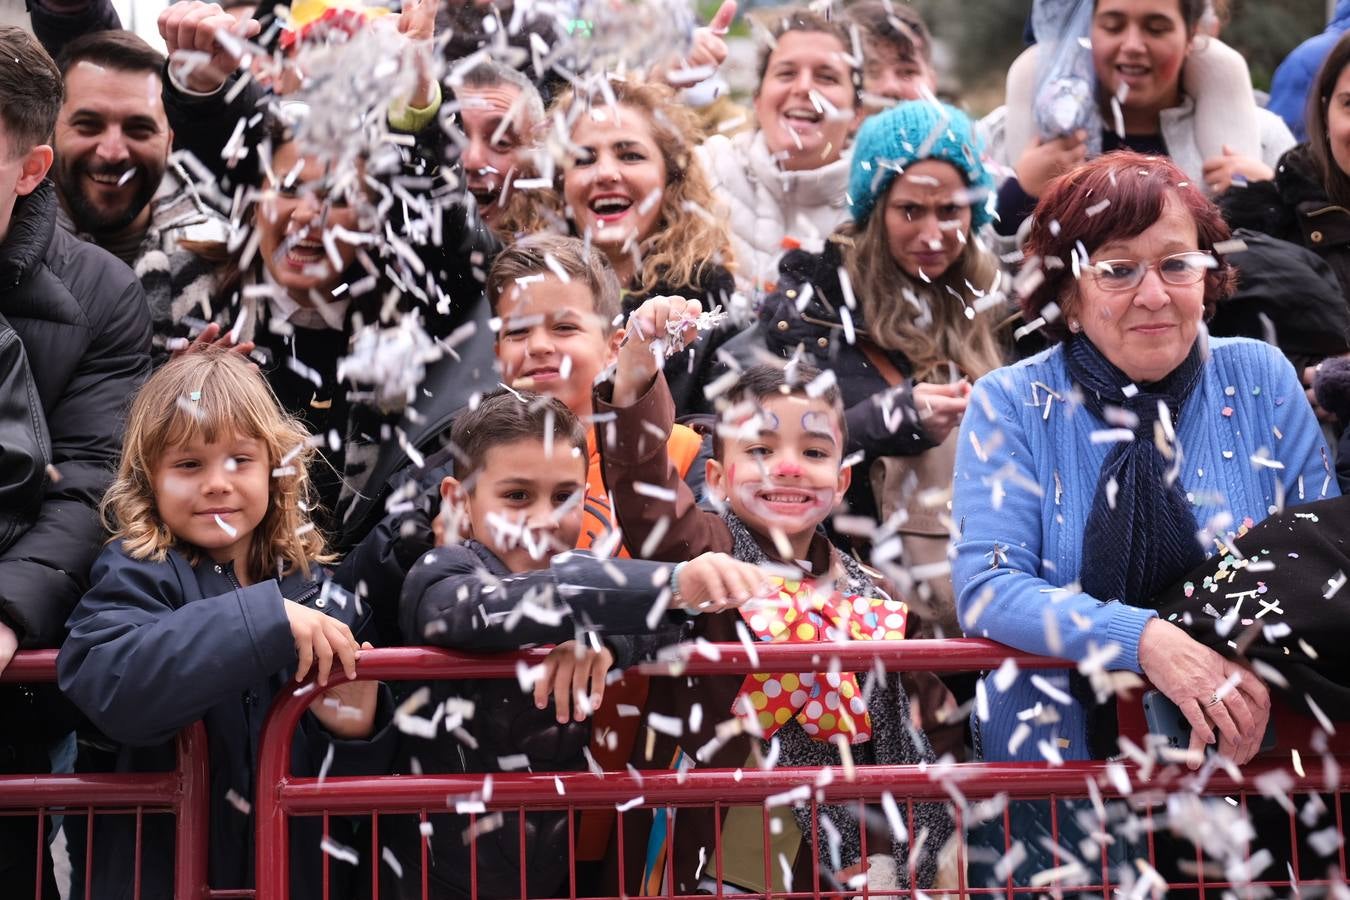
x: 1026, y: 478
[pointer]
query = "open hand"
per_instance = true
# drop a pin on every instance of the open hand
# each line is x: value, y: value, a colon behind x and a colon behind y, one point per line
x: 210, y: 336
x: 707, y: 54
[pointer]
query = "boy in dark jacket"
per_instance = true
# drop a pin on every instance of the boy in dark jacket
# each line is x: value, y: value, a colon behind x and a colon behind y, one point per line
x: 523, y: 461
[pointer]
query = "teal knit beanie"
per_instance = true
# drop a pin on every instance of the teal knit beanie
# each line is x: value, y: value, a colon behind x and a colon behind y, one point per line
x: 910, y: 132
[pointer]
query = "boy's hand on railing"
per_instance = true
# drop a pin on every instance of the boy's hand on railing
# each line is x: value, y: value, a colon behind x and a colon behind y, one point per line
x: 715, y: 582
x: 348, y: 710
x: 638, y: 360
x: 318, y: 639
x: 574, y: 674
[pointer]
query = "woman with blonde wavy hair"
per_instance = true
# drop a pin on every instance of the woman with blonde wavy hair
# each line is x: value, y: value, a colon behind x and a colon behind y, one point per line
x: 209, y: 600
x: 627, y: 181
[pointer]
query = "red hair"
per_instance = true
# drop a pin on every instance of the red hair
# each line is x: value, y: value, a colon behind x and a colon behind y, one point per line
x: 1071, y: 213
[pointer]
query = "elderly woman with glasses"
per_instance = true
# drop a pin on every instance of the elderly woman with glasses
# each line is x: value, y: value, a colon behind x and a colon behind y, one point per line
x: 1093, y: 475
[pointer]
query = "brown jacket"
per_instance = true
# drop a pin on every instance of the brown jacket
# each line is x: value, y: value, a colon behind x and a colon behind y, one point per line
x: 632, y: 452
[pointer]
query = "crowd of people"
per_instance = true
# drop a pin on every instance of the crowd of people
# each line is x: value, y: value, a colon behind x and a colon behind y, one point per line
x: 488, y: 325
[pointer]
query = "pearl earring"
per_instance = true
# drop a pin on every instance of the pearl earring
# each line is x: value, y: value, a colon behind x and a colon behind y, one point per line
x: 1075, y: 326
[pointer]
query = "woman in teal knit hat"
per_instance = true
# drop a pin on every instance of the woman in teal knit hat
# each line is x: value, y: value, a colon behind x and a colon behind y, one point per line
x: 909, y: 330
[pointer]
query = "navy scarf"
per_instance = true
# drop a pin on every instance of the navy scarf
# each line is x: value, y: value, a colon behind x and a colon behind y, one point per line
x: 1135, y: 549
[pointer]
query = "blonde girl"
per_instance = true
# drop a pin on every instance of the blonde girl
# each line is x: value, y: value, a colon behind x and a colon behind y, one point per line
x: 209, y: 599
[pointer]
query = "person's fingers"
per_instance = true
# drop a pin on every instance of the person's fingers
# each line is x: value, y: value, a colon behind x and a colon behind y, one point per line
x: 581, y: 677
x: 1235, y: 709
x: 722, y: 19
x: 1201, y: 733
x: 562, y: 687
x: 1190, y: 708
x: 345, y: 647
x: 714, y: 588
x: 543, y: 685
x: 739, y: 588
x: 599, y: 669
x: 208, y: 334
x: 305, y: 650
x: 323, y: 657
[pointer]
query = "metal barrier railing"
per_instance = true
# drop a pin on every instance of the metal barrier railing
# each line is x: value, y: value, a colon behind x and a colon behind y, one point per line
x: 281, y: 795
x: 182, y: 793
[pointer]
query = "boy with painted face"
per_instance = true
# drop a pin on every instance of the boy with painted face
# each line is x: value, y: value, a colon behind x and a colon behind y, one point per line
x: 777, y: 474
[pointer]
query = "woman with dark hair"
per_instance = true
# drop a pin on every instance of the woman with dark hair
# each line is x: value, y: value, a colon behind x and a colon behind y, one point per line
x: 1096, y: 473
x: 1308, y: 201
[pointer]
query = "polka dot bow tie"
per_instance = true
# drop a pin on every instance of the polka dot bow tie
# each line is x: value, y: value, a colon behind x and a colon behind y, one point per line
x: 824, y: 703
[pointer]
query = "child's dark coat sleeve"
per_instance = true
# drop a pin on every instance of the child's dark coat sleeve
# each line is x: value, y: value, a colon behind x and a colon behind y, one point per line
x: 142, y: 663
x: 450, y: 599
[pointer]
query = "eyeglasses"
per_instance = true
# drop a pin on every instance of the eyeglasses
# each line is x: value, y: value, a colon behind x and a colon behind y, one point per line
x: 1179, y: 269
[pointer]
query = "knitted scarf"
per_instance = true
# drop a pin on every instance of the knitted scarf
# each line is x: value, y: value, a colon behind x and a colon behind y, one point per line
x: 895, y: 741
x: 1142, y: 539
x: 1140, y: 534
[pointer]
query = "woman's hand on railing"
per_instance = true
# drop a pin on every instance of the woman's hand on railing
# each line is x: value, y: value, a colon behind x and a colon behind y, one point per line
x: 1210, y: 691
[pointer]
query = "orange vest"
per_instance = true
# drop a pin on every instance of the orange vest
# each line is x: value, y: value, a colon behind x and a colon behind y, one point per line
x: 596, y: 825
x: 598, y: 520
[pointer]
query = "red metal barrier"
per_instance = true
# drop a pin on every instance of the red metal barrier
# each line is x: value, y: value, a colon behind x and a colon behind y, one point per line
x: 182, y: 792
x: 280, y: 795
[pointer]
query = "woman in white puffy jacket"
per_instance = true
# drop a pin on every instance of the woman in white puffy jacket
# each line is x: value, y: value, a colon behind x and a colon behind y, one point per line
x: 1163, y: 89
x: 786, y: 182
